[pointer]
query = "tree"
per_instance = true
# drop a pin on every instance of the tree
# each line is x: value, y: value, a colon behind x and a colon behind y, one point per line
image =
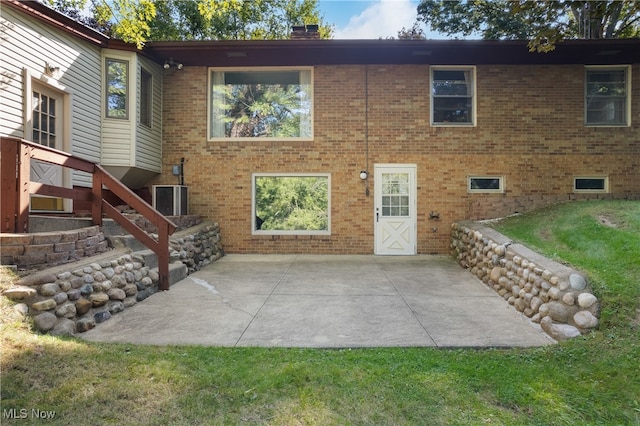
x: 137, y: 21
x: 413, y: 33
x: 542, y: 23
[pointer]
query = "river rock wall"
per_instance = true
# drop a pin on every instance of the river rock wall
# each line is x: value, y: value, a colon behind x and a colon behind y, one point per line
x: 74, y: 297
x: 551, y: 294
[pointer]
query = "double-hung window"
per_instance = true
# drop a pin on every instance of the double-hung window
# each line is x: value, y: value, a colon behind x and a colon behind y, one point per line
x: 607, y: 96
x: 271, y: 103
x: 453, y: 96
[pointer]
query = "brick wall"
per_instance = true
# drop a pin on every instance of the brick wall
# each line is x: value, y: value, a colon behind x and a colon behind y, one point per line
x: 45, y: 249
x: 529, y: 129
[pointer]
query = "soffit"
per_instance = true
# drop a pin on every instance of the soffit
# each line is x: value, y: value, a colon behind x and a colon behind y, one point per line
x: 346, y: 52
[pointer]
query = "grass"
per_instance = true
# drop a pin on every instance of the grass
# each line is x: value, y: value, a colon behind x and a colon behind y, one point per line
x: 591, y: 380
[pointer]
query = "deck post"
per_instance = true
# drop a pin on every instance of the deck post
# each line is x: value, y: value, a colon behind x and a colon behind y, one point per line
x: 163, y: 257
x: 9, y: 185
x: 96, y: 198
x: 24, y: 196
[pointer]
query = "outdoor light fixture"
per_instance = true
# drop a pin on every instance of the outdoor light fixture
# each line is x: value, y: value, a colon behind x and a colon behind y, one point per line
x: 50, y: 70
x: 363, y: 174
x: 171, y: 63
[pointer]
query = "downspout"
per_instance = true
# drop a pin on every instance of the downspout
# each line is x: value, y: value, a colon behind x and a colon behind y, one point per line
x: 366, y: 126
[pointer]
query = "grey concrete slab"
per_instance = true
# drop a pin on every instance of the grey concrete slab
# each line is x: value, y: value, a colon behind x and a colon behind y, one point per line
x: 335, y: 322
x: 325, y: 301
x: 476, y: 322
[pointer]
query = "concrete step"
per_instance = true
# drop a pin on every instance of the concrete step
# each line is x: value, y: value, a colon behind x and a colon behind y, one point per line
x: 177, y: 270
x: 149, y: 258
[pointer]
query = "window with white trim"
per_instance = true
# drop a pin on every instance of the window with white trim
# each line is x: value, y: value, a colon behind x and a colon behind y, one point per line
x: 296, y: 203
x: 274, y: 103
x: 591, y: 184
x: 485, y: 184
x: 453, y: 96
x: 607, y: 96
x: 117, y: 88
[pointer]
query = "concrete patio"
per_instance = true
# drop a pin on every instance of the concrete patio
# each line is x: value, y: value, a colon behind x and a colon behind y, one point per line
x: 315, y: 301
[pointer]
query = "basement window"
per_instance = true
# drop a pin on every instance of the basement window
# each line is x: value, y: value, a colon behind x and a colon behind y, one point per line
x: 485, y: 184
x: 265, y: 103
x: 297, y: 204
x: 591, y: 184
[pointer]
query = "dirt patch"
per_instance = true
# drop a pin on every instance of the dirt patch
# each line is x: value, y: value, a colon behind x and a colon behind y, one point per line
x: 635, y: 322
x: 545, y: 234
x: 606, y: 221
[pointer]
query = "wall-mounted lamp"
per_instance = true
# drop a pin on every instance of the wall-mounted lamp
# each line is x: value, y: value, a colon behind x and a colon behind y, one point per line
x: 171, y: 63
x: 50, y: 70
x: 363, y: 174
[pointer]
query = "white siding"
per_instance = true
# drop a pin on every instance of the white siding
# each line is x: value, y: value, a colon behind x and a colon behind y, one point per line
x: 149, y: 140
x: 28, y: 44
x: 118, y: 136
x: 125, y: 142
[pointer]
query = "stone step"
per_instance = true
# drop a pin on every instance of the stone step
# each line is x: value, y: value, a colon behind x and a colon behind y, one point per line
x: 148, y: 257
x: 125, y: 241
x: 177, y: 270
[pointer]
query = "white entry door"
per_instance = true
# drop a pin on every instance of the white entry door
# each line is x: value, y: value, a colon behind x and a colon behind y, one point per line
x: 47, y: 129
x: 395, y: 209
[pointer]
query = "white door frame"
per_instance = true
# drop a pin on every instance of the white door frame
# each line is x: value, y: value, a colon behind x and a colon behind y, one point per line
x: 50, y: 87
x: 395, y: 234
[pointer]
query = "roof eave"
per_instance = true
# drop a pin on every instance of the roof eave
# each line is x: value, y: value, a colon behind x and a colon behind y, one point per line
x: 44, y: 13
x: 445, y: 52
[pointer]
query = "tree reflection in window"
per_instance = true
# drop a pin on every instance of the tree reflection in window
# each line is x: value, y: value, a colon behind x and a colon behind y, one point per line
x: 253, y: 104
x: 291, y: 204
x: 117, y: 74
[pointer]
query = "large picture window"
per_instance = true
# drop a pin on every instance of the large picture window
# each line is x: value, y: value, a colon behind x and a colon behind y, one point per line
x: 269, y: 103
x: 291, y: 204
x: 452, y: 96
x: 117, y: 88
x: 607, y: 96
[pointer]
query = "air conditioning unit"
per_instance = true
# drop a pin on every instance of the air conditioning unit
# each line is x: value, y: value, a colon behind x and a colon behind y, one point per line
x: 170, y: 200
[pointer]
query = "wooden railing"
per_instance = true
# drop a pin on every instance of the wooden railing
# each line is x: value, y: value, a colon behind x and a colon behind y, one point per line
x: 17, y: 187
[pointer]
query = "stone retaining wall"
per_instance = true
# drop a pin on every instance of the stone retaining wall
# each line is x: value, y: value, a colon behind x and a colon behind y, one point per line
x: 46, y: 249
x: 551, y: 294
x: 74, y: 297
x: 197, y: 246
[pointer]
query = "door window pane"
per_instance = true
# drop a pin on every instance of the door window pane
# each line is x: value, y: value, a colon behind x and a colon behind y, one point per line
x: 395, y: 194
x: 44, y: 120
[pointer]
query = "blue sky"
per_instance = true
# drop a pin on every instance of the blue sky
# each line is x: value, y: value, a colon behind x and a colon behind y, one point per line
x: 368, y: 19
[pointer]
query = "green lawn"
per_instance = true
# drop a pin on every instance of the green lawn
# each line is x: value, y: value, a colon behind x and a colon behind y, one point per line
x: 586, y: 381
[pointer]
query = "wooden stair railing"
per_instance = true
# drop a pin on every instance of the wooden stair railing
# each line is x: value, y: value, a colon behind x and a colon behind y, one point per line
x: 17, y: 187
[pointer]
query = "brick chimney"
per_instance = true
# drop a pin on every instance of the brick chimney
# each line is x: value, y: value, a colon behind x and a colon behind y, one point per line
x: 305, y: 32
